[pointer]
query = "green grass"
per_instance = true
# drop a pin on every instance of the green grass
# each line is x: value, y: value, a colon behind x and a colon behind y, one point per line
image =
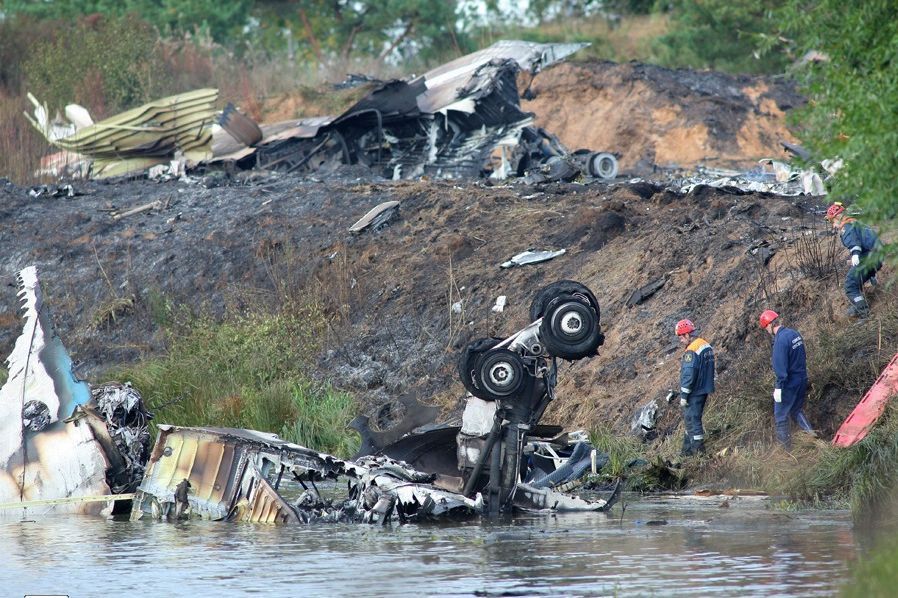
x: 249, y: 371
x: 621, y: 450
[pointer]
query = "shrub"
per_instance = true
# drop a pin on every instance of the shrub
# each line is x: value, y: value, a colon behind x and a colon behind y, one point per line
x: 247, y: 372
x: 21, y: 147
x: 105, y: 64
x: 722, y: 35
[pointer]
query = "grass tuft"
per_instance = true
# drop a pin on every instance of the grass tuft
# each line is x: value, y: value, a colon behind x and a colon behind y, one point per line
x: 249, y: 371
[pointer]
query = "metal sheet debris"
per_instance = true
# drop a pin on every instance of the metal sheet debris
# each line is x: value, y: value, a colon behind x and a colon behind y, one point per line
x: 641, y: 294
x: 532, y: 257
x: 53, y: 442
x: 236, y: 475
x: 376, y: 217
x: 140, y: 138
x: 645, y: 419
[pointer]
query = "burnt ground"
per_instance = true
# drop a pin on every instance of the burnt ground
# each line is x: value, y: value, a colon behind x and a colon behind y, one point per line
x: 229, y: 243
x: 234, y: 245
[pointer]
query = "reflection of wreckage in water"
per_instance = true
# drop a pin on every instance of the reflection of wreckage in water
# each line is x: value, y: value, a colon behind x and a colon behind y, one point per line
x: 70, y: 449
x: 447, y: 123
x: 62, y: 446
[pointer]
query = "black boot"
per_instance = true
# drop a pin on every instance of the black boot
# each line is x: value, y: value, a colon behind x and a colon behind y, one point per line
x: 859, y: 309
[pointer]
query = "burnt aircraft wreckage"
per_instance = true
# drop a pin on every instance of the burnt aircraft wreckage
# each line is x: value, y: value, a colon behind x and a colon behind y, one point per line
x: 446, y: 123
x: 460, y: 120
x: 64, y: 446
x: 67, y: 448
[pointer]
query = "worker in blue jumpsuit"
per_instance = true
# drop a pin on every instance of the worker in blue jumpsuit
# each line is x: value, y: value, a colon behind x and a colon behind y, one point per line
x: 861, y: 241
x: 790, y: 366
x: 696, y: 383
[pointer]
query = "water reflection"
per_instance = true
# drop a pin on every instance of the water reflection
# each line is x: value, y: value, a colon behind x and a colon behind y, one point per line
x: 655, y: 548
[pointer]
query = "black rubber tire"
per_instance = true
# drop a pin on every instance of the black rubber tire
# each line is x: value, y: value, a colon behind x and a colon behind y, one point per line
x: 562, y: 287
x: 467, y: 363
x: 501, y: 375
x: 570, y: 328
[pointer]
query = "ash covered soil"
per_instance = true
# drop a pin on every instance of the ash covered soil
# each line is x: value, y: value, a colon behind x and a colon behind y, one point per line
x: 236, y: 245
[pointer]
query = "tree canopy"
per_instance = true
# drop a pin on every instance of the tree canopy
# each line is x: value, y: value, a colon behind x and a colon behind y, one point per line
x: 853, y: 112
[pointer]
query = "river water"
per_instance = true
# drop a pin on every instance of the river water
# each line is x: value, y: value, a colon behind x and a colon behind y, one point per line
x: 657, y: 546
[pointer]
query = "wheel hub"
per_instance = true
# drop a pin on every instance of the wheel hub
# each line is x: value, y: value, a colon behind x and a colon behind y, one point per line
x: 501, y: 374
x: 571, y: 323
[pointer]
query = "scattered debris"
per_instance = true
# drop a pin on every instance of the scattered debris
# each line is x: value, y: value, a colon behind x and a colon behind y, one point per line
x: 641, y: 294
x: 499, y: 307
x: 532, y: 257
x: 153, y: 205
x: 455, y: 121
x: 771, y: 176
x: 52, y: 191
x: 376, y: 217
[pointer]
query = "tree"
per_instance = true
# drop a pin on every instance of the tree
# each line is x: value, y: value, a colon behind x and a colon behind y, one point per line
x: 343, y: 28
x: 722, y: 35
x: 218, y: 19
x: 852, y: 112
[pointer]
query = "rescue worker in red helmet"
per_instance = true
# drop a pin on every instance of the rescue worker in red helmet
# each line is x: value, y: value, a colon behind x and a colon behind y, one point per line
x: 789, y: 362
x: 861, y: 241
x: 696, y: 383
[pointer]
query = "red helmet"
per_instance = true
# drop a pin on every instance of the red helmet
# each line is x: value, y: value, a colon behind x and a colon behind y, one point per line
x: 684, y: 326
x: 767, y: 317
x: 834, y: 210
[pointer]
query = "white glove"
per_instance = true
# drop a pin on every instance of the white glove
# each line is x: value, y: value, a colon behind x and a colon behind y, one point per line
x: 777, y: 395
x: 855, y: 259
x: 683, y: 402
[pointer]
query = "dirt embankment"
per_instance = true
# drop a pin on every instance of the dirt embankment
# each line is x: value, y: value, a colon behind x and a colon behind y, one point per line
x: 653, y: 115
x: 236, y: 244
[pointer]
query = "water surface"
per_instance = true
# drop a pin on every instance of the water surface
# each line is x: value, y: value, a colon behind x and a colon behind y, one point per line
x: 656, y: 547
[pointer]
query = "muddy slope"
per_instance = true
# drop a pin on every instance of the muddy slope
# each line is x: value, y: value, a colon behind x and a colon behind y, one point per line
x: 235, y: 244
x: 653, y: 115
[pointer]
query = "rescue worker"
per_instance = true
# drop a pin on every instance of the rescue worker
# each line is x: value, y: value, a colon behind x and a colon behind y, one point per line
x: 860, y: 240
x: 789, y: 365
x: 696, y: 383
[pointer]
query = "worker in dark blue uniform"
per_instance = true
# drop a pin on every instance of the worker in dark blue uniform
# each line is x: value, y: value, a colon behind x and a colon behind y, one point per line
x: 696, y: 383
x: 861, y: 241
x: 790, y: 366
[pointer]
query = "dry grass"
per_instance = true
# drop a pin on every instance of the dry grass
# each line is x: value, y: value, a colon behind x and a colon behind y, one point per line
x: 21, y: 147
x: 844, y: 358
x: 630, y: 38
